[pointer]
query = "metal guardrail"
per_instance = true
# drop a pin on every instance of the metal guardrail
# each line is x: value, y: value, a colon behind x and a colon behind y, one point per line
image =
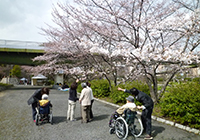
x: 21, y: 46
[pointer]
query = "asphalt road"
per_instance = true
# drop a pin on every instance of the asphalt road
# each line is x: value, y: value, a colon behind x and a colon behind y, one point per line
x: 16, y: 121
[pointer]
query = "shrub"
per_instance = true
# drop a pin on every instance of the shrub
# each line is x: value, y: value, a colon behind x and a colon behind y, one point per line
x: 196, y: 79
x: 79, y: 88
x: 182, y: 103
x: 120, y: 97
x: 50, y: 82
x: 2, y: 84
x: 100, y: 88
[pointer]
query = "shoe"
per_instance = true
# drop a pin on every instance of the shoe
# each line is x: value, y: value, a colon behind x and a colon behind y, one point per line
x: 148, y: 137
x: 34, y: 120
x: 73, y: 120
x: 89, y: 120
x: 84, y: 121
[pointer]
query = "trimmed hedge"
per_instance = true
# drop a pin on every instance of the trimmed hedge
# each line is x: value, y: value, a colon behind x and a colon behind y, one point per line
x: 4, y: 86
x: 120, y: 97
x: 100, y: 88
x: 182, y: 104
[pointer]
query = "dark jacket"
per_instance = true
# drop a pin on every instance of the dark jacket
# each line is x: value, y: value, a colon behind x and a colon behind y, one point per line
x: 143, y: 98
x: 73, y: 95
x: 35, y: 97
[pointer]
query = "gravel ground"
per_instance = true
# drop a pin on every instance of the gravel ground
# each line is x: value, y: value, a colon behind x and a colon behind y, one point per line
x: 16, y: 121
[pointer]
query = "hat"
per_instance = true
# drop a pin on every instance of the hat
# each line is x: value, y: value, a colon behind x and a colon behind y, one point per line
x: 130, y: 98
x: 45, y: 97
x: 83, y: 85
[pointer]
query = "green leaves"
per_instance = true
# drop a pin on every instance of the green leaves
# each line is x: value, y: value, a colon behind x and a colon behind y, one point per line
x: 16, y: 71
x: 120, y: 97
x: 100, y: 88
x: 182, y: 103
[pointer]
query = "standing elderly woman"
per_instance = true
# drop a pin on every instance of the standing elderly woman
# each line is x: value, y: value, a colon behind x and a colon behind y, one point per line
x: 85, y: 100
x: 72, y: 101
x: 33, y: 100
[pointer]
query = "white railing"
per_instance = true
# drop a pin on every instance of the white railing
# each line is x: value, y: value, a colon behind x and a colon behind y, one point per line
x: 21, y: 44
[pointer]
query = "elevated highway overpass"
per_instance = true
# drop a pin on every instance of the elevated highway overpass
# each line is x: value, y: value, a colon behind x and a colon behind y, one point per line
x: 20, y: 52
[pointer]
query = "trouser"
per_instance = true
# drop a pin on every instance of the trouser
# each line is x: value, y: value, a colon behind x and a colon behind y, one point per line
x: 91, y: 113
x: 146, y: 119
x: 34, y: 112
x: 86, y: 113
x: 71, y: 110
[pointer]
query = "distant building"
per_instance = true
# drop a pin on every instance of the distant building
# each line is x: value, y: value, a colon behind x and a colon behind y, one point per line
x: 38, y: 80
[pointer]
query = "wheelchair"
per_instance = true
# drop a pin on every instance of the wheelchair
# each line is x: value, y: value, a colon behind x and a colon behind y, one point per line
x: 128, y: 123
x: 44, y: 114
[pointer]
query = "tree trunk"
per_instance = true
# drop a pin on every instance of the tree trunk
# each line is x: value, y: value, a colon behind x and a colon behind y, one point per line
x: 153, y: 91
x: 110, y: 86
x: 166, y: 83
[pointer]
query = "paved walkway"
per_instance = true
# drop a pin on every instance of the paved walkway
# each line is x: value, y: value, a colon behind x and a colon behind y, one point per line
x: 16, y: 122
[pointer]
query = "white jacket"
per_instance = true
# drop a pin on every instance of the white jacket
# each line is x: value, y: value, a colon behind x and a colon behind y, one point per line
x: 85, y: 97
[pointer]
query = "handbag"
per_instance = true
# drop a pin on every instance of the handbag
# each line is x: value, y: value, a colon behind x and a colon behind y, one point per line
x: 31, y: 100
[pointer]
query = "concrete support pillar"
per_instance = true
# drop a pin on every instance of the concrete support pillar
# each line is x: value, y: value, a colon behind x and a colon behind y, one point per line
x: 59, y: 78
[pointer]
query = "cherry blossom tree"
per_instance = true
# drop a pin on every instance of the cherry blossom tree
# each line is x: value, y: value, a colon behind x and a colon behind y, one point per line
x: 151, y: 38
x: 193, y: 36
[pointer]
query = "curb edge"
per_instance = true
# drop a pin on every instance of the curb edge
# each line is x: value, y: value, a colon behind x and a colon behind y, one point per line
x: 180, y: 126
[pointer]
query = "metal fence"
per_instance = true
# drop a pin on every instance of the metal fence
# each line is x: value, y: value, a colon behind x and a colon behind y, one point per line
x: 21, y: 44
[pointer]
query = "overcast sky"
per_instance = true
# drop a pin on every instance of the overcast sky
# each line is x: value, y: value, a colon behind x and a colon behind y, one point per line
x: 22, y: 19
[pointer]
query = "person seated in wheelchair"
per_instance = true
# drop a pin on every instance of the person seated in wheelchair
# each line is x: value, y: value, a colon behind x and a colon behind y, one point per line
x: 128, y: 111
x: 44, y: 105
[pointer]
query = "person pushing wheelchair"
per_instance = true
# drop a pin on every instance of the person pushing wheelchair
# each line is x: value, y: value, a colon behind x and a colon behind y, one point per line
x: 147, y: 108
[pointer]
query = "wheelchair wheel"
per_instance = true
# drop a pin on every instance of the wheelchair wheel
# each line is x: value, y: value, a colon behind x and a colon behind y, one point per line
x: 121, y: 128
x: 36, y: 119
x: 112, y: 131
x: 136, y: 129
